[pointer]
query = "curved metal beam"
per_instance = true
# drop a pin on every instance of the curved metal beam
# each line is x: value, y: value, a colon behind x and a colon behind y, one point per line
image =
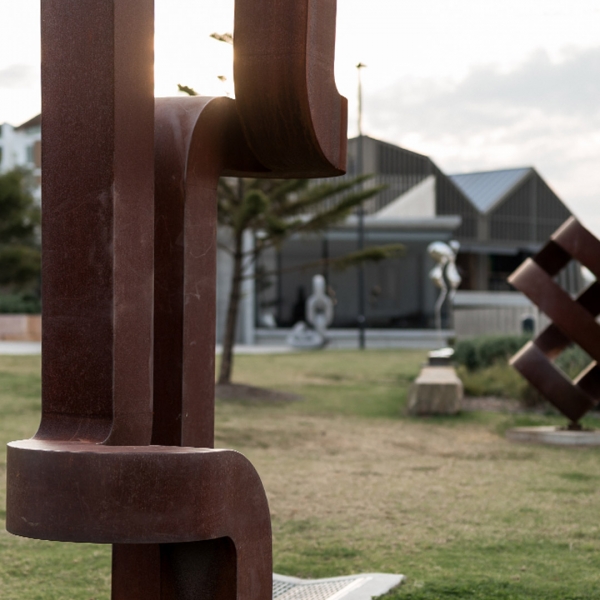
x: 294, y: 119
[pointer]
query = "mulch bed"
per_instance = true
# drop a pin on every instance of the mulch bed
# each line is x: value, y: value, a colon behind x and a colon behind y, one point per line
x: 492, y: 404
x: 239, y: 392
x: 249, y: 393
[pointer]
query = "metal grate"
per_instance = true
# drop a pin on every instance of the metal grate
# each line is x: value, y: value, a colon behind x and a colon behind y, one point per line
x: 280, y: 587
x: 320, y: 590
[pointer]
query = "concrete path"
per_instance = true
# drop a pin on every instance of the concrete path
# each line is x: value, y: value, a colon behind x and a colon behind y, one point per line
x: 25, y: 348
x: 20, y: 348
x: 242, y: 349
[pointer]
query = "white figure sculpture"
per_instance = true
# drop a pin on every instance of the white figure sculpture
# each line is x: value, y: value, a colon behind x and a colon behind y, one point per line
x: 319, y: 314
x: 319, y: 306
x: 444, y: 275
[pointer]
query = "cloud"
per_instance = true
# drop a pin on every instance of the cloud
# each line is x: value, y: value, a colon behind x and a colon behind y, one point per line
x: 17, y: 76
x: 488, y: 97
x: 541, y: 113
x: 556, y: 88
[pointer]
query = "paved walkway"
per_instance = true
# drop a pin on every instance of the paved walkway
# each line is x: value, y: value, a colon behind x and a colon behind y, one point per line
x: 242, y: 349
x: 20, y: 348
x: 24, y: 348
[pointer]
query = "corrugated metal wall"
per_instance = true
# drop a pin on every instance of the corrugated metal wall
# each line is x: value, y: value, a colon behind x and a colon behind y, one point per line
x: 551, y: 212
x: 529, y: 214
x: 514, y: 219
x: 451, y: 201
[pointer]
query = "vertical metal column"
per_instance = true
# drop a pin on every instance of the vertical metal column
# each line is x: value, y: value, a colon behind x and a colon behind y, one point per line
x: 325, y: 256
x: 279, y: 268
x: 98, y: 224
x: 98, y: 107
x: 360, y: 166
x: 533, y: 209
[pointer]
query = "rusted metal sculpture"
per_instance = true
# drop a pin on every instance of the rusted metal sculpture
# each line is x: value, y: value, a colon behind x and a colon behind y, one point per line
x: 573, y: 321
x: 124, y: 451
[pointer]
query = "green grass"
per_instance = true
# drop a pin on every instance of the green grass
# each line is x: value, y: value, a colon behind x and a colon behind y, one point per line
x: 498, y: 380
x: 336, y: 383
x: 33, y: 569
x: 354, y: 485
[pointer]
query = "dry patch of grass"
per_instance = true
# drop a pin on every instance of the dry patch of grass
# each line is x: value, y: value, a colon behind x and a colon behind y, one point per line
x: 448, y: 502
x: 391, y: 490
x: 354, y: 485
x: 33, y: 569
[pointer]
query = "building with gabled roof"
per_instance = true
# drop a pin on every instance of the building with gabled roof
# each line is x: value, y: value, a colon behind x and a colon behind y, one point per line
x: 506, y: 215
x: 514, y: 205
x: 515, y: 213
x: 487, y: 189
x: 499, y: 217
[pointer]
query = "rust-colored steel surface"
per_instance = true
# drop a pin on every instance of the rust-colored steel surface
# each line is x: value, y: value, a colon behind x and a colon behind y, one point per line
x: 573, y: 320
x: 124, y: 451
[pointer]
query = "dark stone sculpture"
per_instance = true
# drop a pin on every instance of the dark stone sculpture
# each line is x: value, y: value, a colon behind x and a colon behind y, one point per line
x: 124, y: 451
x: 573, y: 320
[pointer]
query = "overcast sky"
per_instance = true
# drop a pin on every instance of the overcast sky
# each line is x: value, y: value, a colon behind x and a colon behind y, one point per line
x: 474, y: 84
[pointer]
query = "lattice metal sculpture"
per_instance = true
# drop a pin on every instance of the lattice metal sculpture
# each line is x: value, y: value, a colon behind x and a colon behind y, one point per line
x: 124, y: 451
x: 573, y: 321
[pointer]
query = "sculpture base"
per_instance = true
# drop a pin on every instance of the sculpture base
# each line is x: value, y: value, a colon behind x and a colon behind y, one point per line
x: 440, y: 358
x: 436, y: 391
x: 554, y: 436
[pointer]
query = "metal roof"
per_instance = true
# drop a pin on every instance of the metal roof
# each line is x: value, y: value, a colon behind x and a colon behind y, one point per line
x: 487, y: 188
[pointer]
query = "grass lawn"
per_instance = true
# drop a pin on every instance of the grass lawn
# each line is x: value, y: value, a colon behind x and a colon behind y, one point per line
x: 355, y: 486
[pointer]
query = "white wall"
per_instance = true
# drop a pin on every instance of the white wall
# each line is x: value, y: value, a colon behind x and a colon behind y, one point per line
x: 418, y: 201
x: 17, y: 150
x: 245, y: 325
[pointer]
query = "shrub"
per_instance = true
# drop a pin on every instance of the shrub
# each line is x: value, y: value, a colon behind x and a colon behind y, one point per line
x: 498, y: 380
x: 573, y: 360
x: 484, y: 367
x: 19, y: 304
x: 485, y: 351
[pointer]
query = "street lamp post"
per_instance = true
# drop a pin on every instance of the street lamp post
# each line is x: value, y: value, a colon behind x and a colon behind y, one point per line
x: 361, y: 318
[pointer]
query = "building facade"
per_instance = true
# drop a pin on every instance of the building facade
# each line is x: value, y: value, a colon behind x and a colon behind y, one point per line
x: 506, y: 215
x: 499, y: 217
x: 21, y: 147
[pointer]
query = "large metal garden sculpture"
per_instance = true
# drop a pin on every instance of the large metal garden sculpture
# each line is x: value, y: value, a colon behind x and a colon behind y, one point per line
x: 573, y: 321
x: 124, y: 451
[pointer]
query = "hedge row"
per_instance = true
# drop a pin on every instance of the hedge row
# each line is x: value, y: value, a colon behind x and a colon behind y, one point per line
x: 19, y: 304
x: 481, y: 352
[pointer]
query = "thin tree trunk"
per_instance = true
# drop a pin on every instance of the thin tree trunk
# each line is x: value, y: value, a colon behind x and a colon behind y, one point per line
x: 232, y: 311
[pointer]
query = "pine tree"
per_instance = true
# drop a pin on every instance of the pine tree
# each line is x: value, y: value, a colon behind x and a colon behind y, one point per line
x: 20, y: 257
x: 277, y: 210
